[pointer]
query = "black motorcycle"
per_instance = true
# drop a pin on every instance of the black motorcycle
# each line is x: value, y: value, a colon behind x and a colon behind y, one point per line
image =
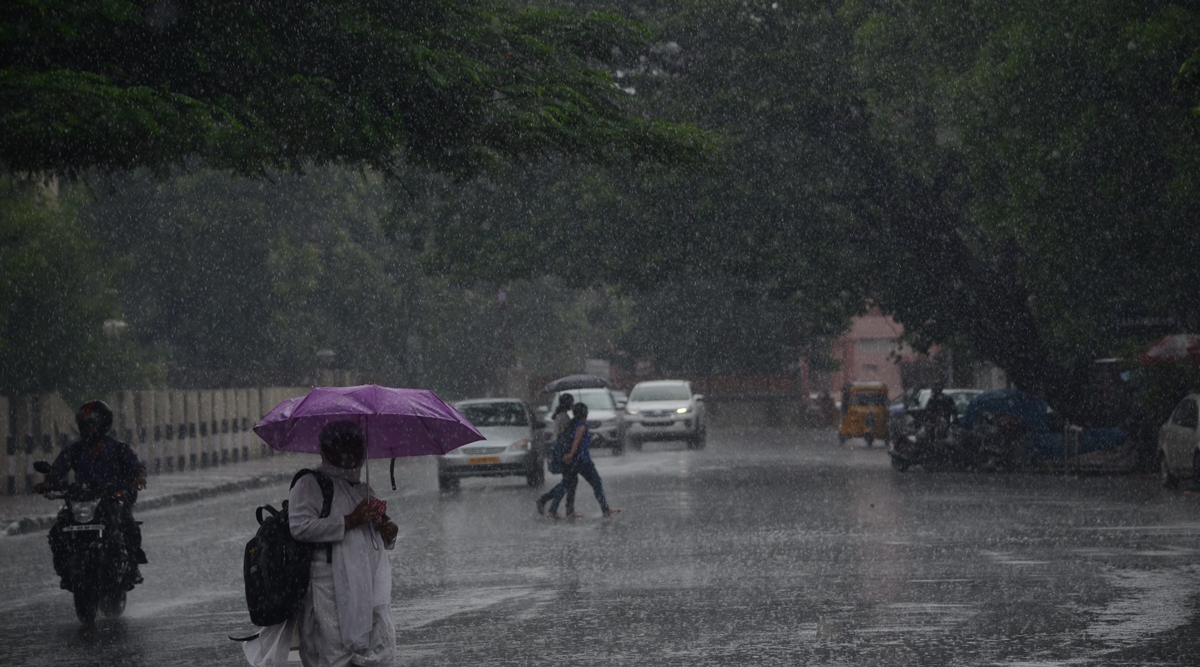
x: 88, y: 538
x: 933, y: 446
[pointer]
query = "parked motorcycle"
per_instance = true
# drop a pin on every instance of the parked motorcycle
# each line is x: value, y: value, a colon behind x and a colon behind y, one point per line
x: 1000, y: 442
x: 93, y: 548
x: 932, y: 446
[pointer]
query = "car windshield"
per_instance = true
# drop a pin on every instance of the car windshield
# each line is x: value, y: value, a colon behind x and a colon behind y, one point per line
x: 864, y: 398
x: 594, y: 400
x: 962, y: 399
x: 671, y: 392
x: 494, y: 414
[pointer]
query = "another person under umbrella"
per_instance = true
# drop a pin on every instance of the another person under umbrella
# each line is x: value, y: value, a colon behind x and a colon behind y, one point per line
x: 346, y: 617
x: 562, y: 424
x: 577, y: 462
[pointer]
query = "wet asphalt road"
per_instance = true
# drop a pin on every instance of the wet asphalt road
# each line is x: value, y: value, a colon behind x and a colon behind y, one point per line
x: 769, y: 547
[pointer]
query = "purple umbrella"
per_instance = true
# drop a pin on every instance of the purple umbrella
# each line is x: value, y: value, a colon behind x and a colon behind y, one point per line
x: 395, y: 422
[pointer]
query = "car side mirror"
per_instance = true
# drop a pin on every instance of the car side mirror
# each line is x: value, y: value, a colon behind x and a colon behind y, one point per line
x: 698, y: 397
x: 42, y: 467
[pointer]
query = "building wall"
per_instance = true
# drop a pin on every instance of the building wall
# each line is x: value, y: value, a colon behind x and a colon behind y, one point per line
x: 871, y: 352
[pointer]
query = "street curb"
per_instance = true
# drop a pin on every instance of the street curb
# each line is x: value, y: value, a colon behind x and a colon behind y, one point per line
x: 39, y: 523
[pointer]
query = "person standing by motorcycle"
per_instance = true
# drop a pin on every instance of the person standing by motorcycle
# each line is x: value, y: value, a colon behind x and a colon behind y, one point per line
x: 99, y: 460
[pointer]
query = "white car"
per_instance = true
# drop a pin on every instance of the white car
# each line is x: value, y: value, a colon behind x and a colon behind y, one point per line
x: 1179, y: 443
x: 510, y: 448
x: 665, y: 410
x: 604, y: 419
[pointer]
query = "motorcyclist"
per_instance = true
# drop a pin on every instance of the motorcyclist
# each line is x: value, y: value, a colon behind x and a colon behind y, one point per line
x: 939, y: 409
x: 98, y: 460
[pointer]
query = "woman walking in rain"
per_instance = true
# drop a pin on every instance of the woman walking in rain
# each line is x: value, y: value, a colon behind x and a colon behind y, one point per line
x: 577, y: 462
x: 562, y: 425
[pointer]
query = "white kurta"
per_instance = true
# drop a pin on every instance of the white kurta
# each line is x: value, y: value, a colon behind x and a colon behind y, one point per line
x: 346, y: 616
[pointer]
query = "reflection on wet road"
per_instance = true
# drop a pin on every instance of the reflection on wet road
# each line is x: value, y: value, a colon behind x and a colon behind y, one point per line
x: 769, y: 547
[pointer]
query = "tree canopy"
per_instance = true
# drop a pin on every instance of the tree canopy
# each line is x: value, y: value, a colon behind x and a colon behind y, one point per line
x: 256, y: 85
x: 1013, y: 177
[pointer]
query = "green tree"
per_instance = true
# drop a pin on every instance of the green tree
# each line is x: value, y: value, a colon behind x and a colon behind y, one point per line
x: 255, y: 85
x: 57, y: 295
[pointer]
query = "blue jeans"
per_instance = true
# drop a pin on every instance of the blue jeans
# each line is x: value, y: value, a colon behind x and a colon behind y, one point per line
x: 571, y: 475
x: 549, y: 495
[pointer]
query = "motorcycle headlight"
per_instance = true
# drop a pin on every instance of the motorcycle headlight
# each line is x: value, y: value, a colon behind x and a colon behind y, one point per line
x: 519, y: 446
x: 84, y: 511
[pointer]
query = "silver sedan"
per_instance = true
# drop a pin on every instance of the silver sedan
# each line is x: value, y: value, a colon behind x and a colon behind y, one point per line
x: 510, y: 446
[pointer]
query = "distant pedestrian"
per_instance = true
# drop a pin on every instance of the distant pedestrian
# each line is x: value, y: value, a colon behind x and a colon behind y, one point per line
x: 562, y: 425
x: 577, y: 462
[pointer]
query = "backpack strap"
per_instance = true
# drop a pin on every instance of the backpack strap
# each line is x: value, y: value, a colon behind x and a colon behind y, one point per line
x: 326, y: 485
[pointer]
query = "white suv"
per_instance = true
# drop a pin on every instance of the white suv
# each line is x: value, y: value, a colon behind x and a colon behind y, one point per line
x: 664, y: 410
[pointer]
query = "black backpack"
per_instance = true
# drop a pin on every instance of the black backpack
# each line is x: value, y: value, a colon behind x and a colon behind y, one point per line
x: 275, y: 565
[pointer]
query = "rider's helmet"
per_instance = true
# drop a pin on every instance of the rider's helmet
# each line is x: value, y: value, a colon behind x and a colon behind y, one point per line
x: 94, y: 419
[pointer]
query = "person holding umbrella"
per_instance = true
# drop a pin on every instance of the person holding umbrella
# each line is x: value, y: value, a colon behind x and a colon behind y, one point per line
x: 346, y: 617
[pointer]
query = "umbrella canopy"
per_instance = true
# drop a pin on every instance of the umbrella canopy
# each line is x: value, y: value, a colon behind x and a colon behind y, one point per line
x: 582, y: 381
x: 395, y: 422
x: 1177, y: 347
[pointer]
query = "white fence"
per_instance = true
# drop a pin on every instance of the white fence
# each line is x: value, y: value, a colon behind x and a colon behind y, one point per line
x: 171, y: 430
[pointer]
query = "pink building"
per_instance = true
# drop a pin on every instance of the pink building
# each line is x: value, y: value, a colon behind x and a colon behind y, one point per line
x: 872, y: 352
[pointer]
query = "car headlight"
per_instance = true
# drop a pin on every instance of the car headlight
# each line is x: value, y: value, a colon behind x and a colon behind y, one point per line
x: 519, y: 446
x: 631, y: 411
x: 682, y: 410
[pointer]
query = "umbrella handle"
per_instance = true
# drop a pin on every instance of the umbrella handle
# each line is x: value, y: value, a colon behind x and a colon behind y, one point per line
x: 371, y: 529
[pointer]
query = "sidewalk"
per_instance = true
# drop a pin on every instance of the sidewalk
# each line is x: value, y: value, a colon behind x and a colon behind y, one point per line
x: 33, y: 513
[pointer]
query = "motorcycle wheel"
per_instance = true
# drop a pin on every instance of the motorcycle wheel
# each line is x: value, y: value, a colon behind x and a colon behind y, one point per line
x: 86, y: 600
x: 112, y: 605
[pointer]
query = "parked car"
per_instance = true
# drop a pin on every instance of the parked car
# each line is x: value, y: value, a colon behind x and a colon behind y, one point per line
x: 1036, y: 436
x: 961, y: 398
x: 604, y: 419
x: 1179, y: 443
x: 665, y: 410
x: 511, y: 447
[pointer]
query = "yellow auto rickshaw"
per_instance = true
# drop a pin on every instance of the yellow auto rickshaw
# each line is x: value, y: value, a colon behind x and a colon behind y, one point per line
x: 864, y: 411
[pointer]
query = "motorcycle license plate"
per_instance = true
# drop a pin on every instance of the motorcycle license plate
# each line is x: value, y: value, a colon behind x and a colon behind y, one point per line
x: 82, y: 527
x: 481, y: 460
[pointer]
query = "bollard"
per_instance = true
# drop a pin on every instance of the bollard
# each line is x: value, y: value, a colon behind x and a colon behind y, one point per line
x: 21, y: 470
x: 220, y: 427
x: 162, y: 415
x: 143, y: 403
x: 10, y: 449
x: 174, y: 430
x: 202, y: 419
x: 191, y: 440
